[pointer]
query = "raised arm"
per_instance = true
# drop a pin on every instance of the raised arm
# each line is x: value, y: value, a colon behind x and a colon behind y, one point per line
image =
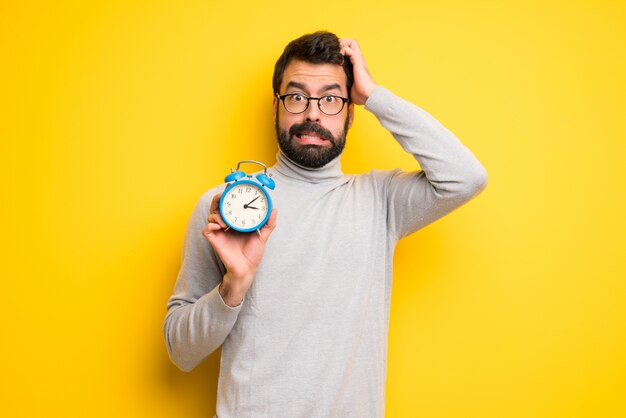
x: 450, y: 174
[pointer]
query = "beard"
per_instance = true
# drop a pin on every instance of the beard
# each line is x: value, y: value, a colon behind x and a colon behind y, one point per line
x: 311, y: 156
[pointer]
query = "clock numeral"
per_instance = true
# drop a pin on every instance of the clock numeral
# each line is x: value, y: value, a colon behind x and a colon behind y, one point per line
x: 230, y: 212
x: 243, y: 222
x: 240, y: 191
x: 248, y: 189
x: 233, y: 196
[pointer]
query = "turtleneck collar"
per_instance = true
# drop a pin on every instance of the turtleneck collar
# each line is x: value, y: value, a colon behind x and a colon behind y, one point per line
x: 286, y: 167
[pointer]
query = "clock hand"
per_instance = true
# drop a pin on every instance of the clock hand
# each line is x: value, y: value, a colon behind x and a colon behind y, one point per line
x: 251, y: 207
x: 247, y: 205
x: 253, y: 200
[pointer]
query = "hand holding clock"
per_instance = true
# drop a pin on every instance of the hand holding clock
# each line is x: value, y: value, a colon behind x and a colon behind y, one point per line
x: 240, y: 253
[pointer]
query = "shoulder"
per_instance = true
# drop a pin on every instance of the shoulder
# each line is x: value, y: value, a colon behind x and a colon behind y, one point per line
x: 377, y: 176
x: 204, y: 202
x: 207, y: 196
x: 376, y: 179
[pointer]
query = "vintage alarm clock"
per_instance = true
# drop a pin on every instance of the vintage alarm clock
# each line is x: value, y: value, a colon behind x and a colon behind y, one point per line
x: 245, y: 204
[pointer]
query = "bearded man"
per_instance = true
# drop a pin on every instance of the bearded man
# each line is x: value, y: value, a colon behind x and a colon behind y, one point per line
x: 301, y: 309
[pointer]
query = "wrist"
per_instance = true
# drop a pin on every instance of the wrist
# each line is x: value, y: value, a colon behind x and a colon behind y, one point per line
x: 233, y: 290
x: 369, y: 89
x: 365, y: 90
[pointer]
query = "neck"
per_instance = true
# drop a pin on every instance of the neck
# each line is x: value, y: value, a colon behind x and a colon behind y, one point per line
x: 291, y: 169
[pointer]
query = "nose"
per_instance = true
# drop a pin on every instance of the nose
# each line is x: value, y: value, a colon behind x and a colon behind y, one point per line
x: 313, y: 112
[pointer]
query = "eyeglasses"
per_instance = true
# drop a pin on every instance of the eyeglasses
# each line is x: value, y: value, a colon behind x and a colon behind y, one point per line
x: 298, y: 103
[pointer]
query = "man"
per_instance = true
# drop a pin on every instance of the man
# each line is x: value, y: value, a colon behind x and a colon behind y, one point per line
x: 301, y: 309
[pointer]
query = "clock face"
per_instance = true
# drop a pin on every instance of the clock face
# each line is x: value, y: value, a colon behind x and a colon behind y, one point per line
x: 245, y: 206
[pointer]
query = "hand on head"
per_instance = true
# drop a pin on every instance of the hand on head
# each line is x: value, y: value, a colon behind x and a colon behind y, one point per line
x: 363, y: 84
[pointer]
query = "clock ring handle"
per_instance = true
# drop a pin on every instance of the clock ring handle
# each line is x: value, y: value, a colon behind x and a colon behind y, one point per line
x: 253, y: 162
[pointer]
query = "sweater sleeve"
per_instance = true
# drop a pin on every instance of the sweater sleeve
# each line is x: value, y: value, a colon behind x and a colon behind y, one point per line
x: 197, y: 320
x: 450, y: 174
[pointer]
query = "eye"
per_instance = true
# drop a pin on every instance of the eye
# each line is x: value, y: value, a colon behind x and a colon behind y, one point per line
x: 329, y: 99
x: 298, y: 97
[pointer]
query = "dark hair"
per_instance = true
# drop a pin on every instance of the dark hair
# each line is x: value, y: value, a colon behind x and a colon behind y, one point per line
x: 320, y: 47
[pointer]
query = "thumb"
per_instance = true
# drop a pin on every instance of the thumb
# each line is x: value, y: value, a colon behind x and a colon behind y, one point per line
x: 267, y: 229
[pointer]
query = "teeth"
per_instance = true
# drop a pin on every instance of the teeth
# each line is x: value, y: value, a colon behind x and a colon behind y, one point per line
x: 310, y: 137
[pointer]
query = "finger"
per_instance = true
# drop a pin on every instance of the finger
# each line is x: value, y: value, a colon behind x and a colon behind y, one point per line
x: 214, y: 211
x: 347, y: 52
x: 271, y: 221
x: 269, y: 226
x: 216, y: 218
x: 215, y: 203
x: 352, y: 43
x: 345, y: 45
x: 355, y: 57
x: 210, y: 229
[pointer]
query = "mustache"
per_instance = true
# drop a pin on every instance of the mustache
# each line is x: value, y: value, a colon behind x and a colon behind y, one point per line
x: 312, y: 128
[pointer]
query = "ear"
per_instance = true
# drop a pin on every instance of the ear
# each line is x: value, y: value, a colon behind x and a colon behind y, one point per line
x: 275, y: 107
x: 350, y: 115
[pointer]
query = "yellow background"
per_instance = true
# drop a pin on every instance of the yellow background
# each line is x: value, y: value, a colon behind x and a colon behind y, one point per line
x: 116, y: 116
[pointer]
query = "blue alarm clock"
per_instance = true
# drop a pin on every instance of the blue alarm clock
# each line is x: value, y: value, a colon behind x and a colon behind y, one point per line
x: 245, y: 204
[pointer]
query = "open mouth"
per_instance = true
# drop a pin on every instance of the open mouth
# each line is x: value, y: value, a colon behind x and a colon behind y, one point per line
x: 310, y: 138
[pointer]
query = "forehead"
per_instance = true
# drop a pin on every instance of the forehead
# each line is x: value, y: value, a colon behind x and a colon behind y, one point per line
x: 314, y: 76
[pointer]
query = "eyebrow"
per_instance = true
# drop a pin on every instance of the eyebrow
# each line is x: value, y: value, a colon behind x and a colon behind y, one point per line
x: 327, y: 87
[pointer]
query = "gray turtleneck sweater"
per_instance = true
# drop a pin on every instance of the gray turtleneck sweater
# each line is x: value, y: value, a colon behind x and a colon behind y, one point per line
x: 310, y: 337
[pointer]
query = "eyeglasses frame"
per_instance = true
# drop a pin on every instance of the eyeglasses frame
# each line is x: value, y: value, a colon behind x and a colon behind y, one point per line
x: 308, y: 101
